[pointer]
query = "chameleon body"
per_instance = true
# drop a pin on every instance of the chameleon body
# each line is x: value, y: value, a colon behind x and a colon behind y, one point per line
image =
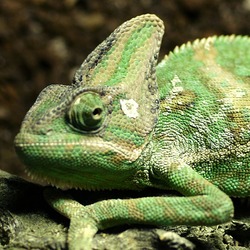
x: 127, y: 123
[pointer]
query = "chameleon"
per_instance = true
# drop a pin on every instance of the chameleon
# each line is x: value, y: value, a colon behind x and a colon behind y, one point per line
x: 126, y: 122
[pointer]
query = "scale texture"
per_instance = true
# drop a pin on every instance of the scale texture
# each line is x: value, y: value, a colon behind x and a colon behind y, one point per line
x: 127, y: 123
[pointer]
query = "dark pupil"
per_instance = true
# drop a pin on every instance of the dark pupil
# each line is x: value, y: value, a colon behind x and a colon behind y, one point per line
x: 97, y: 111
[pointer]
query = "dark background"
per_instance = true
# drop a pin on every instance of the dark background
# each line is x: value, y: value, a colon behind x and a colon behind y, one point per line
x: 44, y: 41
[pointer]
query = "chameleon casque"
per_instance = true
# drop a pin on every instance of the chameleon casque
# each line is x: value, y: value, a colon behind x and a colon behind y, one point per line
x: 127, y: 123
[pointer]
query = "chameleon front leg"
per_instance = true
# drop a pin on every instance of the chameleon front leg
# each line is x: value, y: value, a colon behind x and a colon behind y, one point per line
x: 82, y: 226
x: 203, y: 204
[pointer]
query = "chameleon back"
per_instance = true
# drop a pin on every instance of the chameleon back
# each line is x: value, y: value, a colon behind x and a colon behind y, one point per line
x: 205, y: 110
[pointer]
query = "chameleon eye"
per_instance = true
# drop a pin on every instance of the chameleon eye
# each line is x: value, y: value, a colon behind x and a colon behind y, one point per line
x: 86, y: 112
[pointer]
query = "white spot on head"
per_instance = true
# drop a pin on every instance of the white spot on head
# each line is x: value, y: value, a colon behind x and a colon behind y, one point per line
x: 130, y: 108
x: 240, y: 93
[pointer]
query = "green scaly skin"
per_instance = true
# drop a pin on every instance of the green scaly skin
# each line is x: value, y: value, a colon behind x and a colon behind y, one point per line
x: 125, y: 123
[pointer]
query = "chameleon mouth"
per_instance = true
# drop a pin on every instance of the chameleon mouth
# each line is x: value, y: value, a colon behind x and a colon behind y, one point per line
x: 89, y: 165
x: 54, y: 162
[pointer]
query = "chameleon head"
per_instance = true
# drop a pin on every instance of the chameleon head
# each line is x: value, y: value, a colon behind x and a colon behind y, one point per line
x: 91, y: 132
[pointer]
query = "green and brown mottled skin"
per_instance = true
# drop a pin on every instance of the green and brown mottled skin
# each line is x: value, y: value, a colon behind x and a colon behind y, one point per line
x: 127, y: 123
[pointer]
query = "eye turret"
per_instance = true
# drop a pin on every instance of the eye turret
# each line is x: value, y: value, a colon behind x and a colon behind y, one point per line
x: 86, y: 112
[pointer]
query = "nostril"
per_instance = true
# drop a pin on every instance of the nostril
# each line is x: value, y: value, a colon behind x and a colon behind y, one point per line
x: 49, y: 131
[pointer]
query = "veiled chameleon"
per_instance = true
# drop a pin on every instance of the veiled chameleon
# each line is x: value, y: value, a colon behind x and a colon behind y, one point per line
x: 127, y: 123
